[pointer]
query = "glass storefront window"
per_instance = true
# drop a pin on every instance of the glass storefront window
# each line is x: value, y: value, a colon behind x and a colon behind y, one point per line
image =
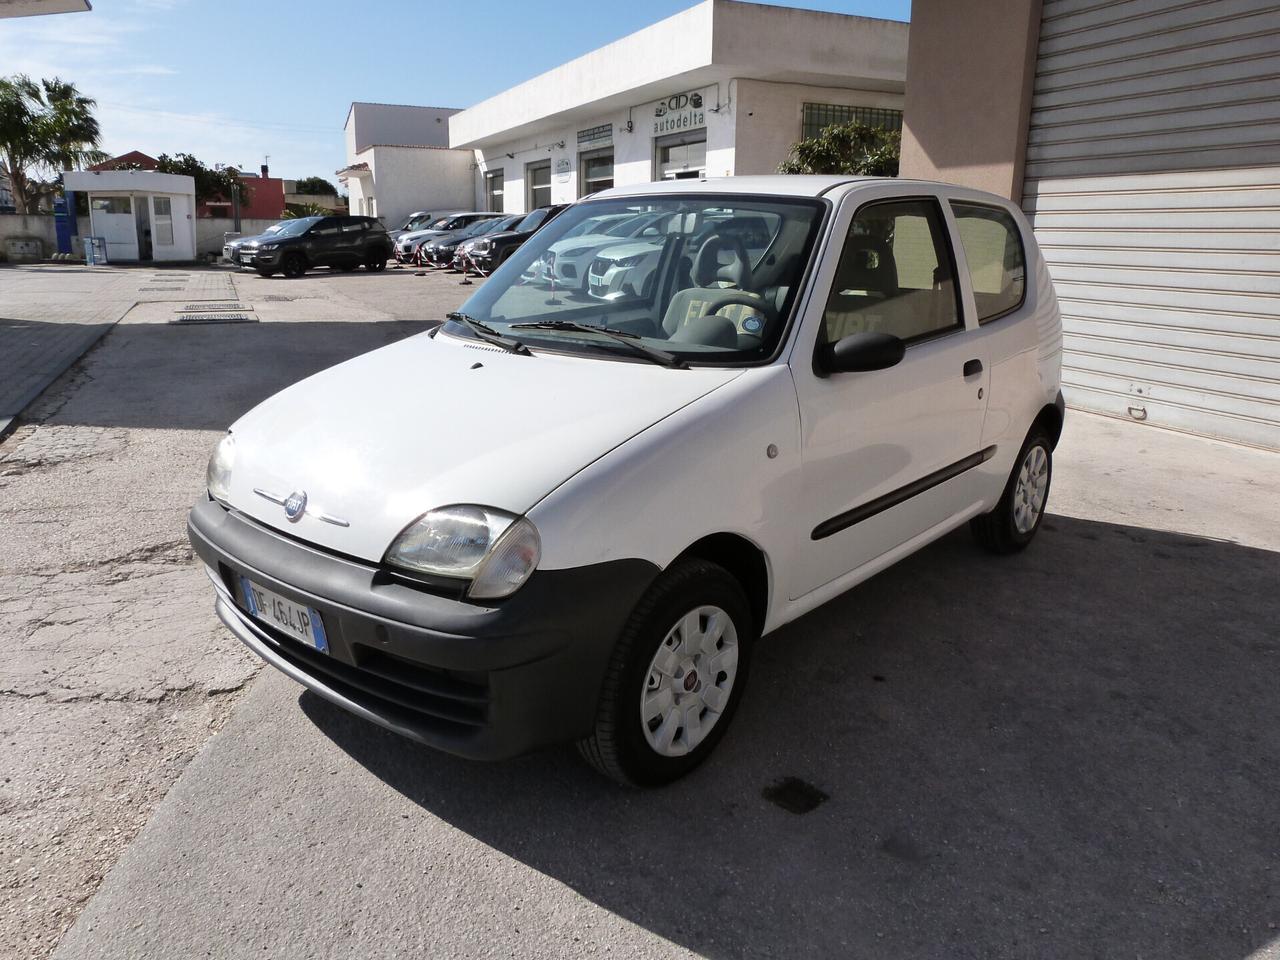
x: 682, y: 157
x: 539, y: 177
x: 493, y: 190
x: 597, y: 171
x: 112, y: 205
x: 163, y: 209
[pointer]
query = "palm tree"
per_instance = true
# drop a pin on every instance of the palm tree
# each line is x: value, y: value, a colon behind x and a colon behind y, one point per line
x: 45, y: 127
x: 19, y: 97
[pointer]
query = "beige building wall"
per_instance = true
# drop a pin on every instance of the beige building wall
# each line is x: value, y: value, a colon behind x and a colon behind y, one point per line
x: 770, y: 117
x: 970, y: 72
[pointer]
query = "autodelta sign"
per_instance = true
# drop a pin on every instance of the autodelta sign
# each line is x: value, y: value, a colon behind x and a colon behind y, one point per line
x: 684, y: 111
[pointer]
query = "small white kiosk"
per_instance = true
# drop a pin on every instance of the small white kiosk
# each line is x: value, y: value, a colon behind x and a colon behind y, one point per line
x: 142, y: 215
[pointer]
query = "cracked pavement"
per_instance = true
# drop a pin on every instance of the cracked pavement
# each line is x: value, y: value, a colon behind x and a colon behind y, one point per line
x: 115, y: 670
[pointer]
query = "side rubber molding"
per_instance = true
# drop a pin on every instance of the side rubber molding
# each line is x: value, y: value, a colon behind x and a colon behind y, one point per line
x: 867, y: 510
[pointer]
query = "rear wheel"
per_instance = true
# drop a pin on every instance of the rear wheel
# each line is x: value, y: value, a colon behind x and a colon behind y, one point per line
x: 293, y: 265
x: 1014, y: 522
x: 347, y: 267
x: 375, y: 262
x: 675, y: 679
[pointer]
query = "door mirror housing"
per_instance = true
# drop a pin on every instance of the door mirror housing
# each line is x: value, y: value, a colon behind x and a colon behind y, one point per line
x: 860, y: 353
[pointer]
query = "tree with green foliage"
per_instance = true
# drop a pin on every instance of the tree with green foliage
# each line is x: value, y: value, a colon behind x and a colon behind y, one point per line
x: 46, y: 128
x: 293, y: 211
x: 211, y: 183
x: 317, y: 185
x: 855, y: 149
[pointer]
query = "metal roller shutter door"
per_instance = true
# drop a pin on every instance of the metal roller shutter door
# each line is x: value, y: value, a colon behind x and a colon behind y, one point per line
x: 1153, y: 185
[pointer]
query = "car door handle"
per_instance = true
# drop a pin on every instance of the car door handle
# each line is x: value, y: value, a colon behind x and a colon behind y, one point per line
x: 972, y: 368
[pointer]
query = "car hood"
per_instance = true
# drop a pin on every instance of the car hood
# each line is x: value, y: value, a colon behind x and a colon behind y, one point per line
x: 507, y: 235
x: 591, y: 240
x: 418, y: 235
x: 629, y: 249
x: 241, y: 241
x: 379, y: 440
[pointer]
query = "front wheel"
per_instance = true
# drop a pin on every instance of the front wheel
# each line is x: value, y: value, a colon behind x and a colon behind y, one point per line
x: 266, y: 272
x: 675, y: 679
x: 294, y: 265
x: 1014, y: 522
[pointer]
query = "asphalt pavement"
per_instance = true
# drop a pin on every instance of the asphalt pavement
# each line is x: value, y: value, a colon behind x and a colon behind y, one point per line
x: 1067, y: 753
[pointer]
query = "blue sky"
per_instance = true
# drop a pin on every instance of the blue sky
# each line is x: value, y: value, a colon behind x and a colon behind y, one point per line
x: 232, y: 81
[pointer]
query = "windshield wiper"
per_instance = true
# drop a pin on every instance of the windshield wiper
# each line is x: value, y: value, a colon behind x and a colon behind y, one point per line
x: 627, y: 339
x: 489, y: 335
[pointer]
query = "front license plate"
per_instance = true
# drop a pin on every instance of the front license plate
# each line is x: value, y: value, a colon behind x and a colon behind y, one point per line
x: 301, y: 622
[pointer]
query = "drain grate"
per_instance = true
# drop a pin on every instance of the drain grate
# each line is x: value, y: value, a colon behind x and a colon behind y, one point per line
x: 277, y: 298
x: 187, y: 318
x: 213, y: 307
x: 159, y: 289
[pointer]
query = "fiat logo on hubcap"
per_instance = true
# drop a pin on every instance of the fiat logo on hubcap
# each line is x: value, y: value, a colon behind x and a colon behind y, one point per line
x: 295, y: 505
x: 690, y: 681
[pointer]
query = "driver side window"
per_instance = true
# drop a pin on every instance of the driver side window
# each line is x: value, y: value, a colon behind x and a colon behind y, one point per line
x: 895, y: 275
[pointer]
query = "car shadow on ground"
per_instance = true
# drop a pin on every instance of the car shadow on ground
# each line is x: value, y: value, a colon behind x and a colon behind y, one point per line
x: 1067, y: 753
x: 202, y: 376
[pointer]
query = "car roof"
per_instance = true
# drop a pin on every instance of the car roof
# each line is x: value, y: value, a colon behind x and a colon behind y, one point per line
x: 791, y: 185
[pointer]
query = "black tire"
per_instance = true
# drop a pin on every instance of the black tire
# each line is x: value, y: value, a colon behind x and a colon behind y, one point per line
x: 375, y: 262
x: 618, y: 746
x: 293, y: 265
x: 265, y: 272
x: 348, y: 267
x: 998, y: 531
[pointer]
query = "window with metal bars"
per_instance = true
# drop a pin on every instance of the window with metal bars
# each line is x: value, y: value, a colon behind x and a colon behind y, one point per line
x: 819, y: 116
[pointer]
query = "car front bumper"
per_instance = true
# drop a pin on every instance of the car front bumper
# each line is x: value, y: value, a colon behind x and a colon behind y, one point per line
x: 486, y: 681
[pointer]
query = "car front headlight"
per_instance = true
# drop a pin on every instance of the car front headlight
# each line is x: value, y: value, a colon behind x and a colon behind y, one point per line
x: 576, y: 252
x: 495, y: 550
x: 483, y: 246
x: 218, y: 476
x: 629, y: 261
x: 269, y: 246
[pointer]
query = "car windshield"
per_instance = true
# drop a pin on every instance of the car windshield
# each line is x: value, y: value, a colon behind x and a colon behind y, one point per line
x: 294, y: 228
x: 533, y: 220
x: 702, y: 278
x: 478, y: 227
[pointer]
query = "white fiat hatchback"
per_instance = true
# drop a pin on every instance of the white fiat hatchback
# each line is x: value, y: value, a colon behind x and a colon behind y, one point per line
x: 556, y: 518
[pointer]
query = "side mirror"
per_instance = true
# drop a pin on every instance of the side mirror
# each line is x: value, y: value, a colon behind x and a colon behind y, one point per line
x: 861, y: 352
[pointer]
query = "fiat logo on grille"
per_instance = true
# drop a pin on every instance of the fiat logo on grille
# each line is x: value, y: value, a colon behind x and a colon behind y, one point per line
x: 295, y: 505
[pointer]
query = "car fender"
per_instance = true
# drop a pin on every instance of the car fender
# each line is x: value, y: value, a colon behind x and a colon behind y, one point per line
x: 727, y: 463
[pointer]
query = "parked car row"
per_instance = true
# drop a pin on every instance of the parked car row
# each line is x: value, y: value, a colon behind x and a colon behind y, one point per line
x: 480, y: 246
x: 463, y: 240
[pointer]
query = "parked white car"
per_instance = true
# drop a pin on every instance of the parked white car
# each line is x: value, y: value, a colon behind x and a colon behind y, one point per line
x: 555, y: 520
x: 565, y: 263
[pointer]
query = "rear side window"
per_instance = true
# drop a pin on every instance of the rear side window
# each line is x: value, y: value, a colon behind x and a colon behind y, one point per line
x: 997, y: 263
x: 895, y: 275
x: 355, y: 225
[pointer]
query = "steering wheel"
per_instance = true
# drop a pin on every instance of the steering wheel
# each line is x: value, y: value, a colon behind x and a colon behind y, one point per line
x: 715, y: 300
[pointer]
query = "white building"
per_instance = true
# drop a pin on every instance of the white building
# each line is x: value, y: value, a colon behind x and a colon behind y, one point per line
x: 142, y: 215
x: 722, y: 88
x: 399, y: 161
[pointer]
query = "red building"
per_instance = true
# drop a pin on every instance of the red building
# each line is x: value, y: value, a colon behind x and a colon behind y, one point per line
x: 265, y: 200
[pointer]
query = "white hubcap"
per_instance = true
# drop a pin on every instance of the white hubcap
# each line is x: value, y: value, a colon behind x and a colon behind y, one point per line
x: 689, y: 680
x: 1033, y: 484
